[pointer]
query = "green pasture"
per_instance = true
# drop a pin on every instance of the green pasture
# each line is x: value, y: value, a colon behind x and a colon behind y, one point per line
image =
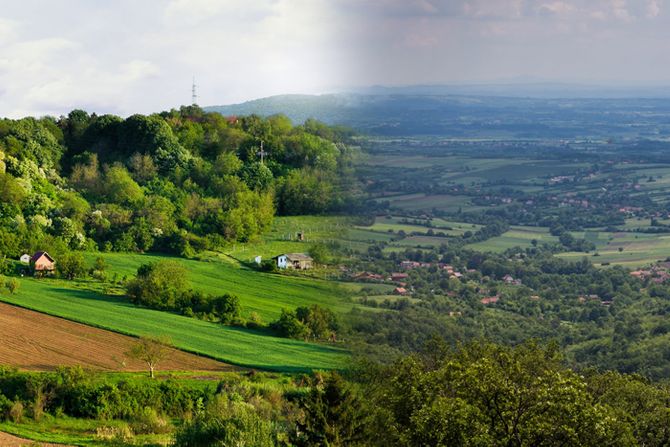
x: 416, y: 202
x: 229, y: 344
x: 264, y: 293
x: 517, y: 236
x: 636, y: 250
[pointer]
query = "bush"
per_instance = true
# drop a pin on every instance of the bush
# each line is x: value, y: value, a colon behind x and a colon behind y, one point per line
x: 12, y: 285
x: 227, y: 424
x: 255, y: 321
x: 16, y: 412
x: 5, y: 405
x: 121, y: 434
x: 148, y: 421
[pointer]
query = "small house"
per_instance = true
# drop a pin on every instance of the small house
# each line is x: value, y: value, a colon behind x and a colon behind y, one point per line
x: 400, y: 291
x: 298, y: 261
x: 25, y: 258
x: 42, y: 263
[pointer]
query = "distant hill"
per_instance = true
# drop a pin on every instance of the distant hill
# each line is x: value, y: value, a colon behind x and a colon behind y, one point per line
x: 425, y: 110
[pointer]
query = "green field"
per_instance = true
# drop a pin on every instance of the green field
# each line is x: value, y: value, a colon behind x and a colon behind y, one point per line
x: 517, y: 236
x: 230, y: 344
x: 638, y: 249
x: 282, y: 238
x: 264, y: 293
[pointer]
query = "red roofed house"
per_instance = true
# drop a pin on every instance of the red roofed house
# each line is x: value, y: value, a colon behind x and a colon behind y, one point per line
x: 398, y: 276
x: 490, y: 300
x: 400, y: 291
x: 42, y: 263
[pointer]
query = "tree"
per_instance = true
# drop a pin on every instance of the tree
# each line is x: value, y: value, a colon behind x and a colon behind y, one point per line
x: 333, y: 415
x: 226, y: 308
x: 158, y: 285
x: 150, y: 350
x: 288, y: 325
x: 71, y: 265
x: 12, y: 285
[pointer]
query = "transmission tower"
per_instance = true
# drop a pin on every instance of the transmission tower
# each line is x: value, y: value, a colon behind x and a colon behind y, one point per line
x: 194, y: 95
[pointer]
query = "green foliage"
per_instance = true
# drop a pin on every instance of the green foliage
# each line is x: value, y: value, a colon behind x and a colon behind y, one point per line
x: 484, y: 394
x: 158, y: 285
x: 314, y: 322
x: 227, y: 424
x: 12, y: 285
x: 334, y: 415
x: 71, y: 265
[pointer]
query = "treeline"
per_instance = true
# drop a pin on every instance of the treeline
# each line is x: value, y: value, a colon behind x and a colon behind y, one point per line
x: 178, y: 181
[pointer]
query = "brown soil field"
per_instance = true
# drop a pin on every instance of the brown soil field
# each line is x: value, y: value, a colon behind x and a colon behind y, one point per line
x: 7, y: 440
x: 34, y: 341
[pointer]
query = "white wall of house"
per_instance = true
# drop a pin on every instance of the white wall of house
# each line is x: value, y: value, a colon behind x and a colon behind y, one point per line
x: 282, y: 261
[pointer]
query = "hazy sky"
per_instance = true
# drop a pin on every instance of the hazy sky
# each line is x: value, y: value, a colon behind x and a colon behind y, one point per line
x: 127, y: 56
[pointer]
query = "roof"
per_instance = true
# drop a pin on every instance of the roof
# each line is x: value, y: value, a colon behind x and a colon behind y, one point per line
x: 39, y: 254
x: 295, y: 257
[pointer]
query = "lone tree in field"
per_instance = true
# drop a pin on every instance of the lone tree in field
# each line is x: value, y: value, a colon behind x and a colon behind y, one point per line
x: 151, y: 350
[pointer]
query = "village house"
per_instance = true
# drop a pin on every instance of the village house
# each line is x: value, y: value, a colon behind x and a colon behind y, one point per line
x: 407, y: 265
x: 368, y: 276
x: 490, y: 300
x: 400, y: 291
x: 509, y: 279
x: 42, y: 263
x: 298, y: 261
x: 25, y: 258
x: 398, y: 276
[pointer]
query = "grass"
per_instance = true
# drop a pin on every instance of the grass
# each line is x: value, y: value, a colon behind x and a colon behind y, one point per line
x: 636, y: 249
x: 233, y: 345
x: 517, y: 236
x: 264, y: 293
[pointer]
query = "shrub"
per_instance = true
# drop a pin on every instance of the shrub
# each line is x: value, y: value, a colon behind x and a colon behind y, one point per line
x: 16, y: 412
x: 12, y: 285
x: 121, y: 434
x: 148, y: 421
x: 5, y: 405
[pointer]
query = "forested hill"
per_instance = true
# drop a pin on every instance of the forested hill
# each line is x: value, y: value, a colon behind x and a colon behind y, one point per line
x: 176, y: 181
x: 435, y: 112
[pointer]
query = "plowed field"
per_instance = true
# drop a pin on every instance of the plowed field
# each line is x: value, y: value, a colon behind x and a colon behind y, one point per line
x: 35, y: 341
x: 7, y: 440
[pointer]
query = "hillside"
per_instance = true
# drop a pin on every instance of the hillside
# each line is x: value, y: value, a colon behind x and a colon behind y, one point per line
x: 470, y: 113
x: 35, y: 341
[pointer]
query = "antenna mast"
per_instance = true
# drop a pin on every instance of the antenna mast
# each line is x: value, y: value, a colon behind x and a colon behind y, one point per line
x: 194, y: 96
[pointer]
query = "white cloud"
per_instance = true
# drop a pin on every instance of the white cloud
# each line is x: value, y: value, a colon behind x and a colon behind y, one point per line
x: 139, y: 57
x: 653, y: 8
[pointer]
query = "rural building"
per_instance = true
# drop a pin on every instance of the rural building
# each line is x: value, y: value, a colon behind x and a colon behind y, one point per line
x: 399, y: 276
x: 490, y: 300
x: 299, y: 261
x: 400, y: 291
x: 42, y: 263
x: 25, y: 258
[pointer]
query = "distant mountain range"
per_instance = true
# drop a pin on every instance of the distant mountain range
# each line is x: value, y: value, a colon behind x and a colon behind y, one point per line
x: 520, y: 111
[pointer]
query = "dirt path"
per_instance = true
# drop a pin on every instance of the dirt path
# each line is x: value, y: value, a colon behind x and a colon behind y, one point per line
x: 7, y: 440
x: 34, y: 341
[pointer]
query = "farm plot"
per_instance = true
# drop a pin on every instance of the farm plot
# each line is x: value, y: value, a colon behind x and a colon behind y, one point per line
x: 629, y: 249
x: 234, y: 345
x: 517, y: 236
x: 35, y: 341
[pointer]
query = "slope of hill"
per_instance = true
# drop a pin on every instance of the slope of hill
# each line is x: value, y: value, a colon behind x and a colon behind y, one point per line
x: 439, y: 112
x: 34, y: 341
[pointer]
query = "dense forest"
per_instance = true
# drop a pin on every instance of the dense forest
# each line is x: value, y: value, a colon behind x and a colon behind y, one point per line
x: 178, y: 181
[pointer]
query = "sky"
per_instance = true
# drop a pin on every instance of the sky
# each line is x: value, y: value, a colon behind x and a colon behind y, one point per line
x: 130, y: 56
